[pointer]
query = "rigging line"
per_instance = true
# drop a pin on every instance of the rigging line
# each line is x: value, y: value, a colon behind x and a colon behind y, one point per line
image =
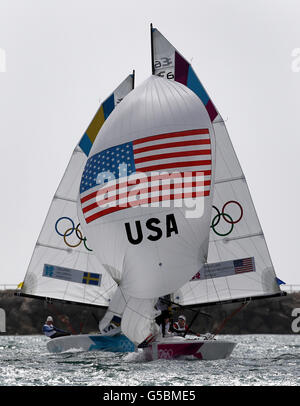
x: 134, y: 310
x: 229, y: 317
x: 102, y: 296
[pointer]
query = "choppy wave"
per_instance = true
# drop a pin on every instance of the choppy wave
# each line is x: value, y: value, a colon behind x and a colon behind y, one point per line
x: 256, y: 360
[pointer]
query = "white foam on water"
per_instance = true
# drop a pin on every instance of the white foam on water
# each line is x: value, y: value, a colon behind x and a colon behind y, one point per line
x: 138, y: 356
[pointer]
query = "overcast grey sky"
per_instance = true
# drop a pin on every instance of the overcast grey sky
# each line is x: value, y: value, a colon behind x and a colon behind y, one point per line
x: 63, y: 57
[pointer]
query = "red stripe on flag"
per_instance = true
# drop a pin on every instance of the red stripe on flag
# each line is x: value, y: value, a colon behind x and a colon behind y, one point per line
x: 173, y: 155
x: 144, y: 201
x: 162, y: 176
x: 172, y: 145
x: 149, y: 189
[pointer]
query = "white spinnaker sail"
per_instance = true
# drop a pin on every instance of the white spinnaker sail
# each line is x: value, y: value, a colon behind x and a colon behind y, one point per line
x: 143, y: 237
x: 236, y: 233
x: 63, y: 265
x: 144, y: 233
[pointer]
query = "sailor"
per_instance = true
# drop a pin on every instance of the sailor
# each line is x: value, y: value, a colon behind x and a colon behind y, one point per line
x: 180, y: 328
x: 163, y: 320
x: 165, y: 327
x: 51, y: 331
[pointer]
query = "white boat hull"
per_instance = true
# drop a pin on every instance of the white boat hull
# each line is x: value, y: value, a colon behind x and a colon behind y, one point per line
x: 91, y: 342
x: 182, y: 348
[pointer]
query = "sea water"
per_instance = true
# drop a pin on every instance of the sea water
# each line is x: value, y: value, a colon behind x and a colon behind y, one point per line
x: 256, y: 360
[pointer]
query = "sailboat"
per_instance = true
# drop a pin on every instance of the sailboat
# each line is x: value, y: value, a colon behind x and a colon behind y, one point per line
x: 163, y: 208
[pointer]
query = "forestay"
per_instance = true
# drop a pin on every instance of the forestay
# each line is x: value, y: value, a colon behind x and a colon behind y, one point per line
x: 63, y: 265
x: 236, y: 233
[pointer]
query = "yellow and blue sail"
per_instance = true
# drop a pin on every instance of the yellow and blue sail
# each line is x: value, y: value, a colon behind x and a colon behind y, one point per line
x: 103, y: 113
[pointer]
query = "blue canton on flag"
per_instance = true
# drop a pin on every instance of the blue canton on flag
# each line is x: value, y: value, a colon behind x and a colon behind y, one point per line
x: 105, y: 166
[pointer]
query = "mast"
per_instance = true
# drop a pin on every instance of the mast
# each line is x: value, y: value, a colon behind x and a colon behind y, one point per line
x: 152, y: 51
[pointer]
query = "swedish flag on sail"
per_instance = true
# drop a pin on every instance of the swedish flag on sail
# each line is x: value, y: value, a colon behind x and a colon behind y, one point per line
x: 91, y: 278
x: 71, y: 275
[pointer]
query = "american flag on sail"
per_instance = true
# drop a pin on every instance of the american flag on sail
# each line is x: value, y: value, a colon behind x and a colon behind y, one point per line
x: 244, y: 265
x: 110, y: 178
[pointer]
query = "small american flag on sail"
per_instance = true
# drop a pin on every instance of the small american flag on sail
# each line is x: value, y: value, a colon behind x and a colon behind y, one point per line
x: 110, y: 178
x: 244, y: 265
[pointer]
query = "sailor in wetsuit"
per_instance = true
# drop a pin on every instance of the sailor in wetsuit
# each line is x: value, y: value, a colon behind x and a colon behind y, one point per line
x: 52, y: 332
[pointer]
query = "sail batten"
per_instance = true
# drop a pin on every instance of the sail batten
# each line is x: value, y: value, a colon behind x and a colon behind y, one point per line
x: 65, y: 198
x: 230, y: 179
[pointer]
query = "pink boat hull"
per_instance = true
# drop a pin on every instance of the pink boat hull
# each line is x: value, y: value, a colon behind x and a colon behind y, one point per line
x: 180, y: 348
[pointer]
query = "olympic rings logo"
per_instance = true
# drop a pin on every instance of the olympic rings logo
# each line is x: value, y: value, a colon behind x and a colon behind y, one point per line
x: 226, y: 217
x: 70, y: 231
x: 165, y: 354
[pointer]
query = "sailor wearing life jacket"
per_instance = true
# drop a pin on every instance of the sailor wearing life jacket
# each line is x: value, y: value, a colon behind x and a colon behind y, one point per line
x: 51, y: 331
x: 180, y: 327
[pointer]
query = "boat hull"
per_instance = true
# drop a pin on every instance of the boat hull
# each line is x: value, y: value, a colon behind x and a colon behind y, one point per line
x: 197, y: 349
x: 91, y: 342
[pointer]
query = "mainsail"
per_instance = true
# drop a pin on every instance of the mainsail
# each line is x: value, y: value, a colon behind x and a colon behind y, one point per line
x: 63, y: 265
x: 239, y: 265
x: 149, y: 236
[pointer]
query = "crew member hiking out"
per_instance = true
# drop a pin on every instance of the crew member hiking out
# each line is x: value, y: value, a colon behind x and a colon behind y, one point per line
x: 51, y: 331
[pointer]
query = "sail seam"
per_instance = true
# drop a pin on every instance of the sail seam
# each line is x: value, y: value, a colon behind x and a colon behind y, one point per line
x: 230, y: 179
x: 66, y: 199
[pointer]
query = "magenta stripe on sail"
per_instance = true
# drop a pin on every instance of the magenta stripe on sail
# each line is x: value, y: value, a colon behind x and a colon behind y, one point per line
x: 181, y: 76
x: 181, y: 69
x: 212, y: 112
